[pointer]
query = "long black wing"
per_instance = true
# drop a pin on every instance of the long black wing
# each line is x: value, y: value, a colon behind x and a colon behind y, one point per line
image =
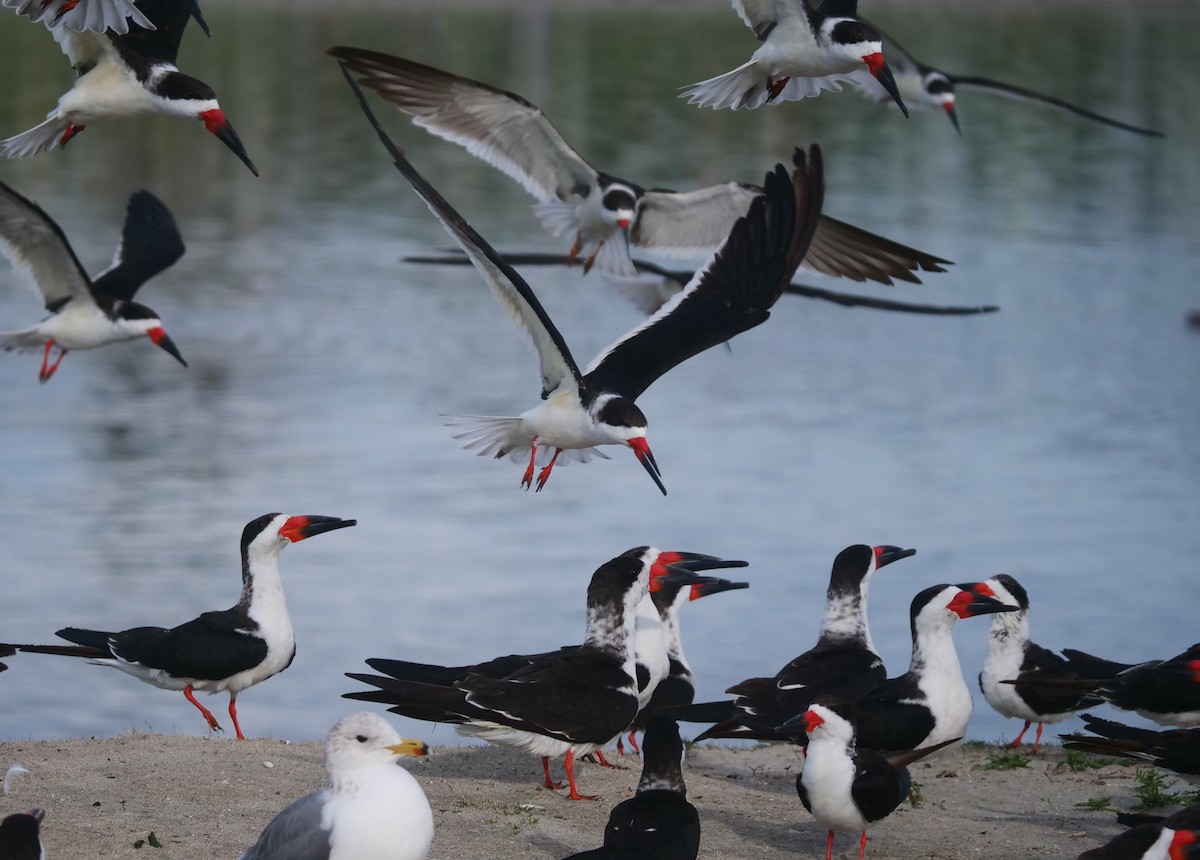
x: 162, y: 44
x: 1026, y: 95
x: 150, y: 243
x: 210, y: 647
x: 733, y: 292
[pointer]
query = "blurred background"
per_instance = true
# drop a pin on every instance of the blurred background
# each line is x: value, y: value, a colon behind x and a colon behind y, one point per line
x: 1055, y: 440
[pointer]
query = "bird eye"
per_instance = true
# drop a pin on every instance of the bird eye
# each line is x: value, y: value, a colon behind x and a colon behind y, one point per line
x: 362, y: 739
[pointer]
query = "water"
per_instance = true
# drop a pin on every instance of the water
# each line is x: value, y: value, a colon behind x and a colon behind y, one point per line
x: 1055, y: 441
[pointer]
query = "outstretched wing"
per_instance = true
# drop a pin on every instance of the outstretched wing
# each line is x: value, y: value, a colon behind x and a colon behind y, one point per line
x: 150, y: 243
x: 94, y: 16
x: 557, y: 365
x: 495, y: 126
x: 733, y: 292
x: 39, y: 251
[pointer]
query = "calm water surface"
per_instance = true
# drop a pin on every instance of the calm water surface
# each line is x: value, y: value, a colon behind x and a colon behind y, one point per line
x: 1056, y: 440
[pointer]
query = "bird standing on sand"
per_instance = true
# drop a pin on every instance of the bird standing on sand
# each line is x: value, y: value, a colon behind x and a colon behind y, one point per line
x: 371, y: 808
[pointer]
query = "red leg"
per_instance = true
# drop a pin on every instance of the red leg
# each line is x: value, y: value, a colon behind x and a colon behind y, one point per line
x: 602, y: 761
x: 47, y: 368
x: 233, y: 716
x: 569, y: 765
x: 620, y: 746
x: 633, y: 744
x: 527, y: 478
x: 774, y: 88
x: 545, y: 473
x: 575, y: 249
x: 66, y: 7
x: 1017, y: 742
x: 829, y: 847
x: 546, y: 769
x: 71, y: 131
x: 1038, y: 739
x: 212, y: 721
x: 591, y: 261
x: 862, y: 845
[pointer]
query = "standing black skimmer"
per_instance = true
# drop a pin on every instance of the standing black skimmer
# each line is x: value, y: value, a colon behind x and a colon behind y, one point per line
x: 657, y: 823
x: 677, y: 687
x: 1175, y: 749
x: 924, y: 86
x: 126, y: 74
x: 1011, y: 654
x: 930, y: 703
x: 1165, y: 691
x: 572, y: 701
x: 228, y: 650
x: 86, y: 313
x: 580, y: 410
x: 843, y: 663
x: 654, y: 286
x: 804, y: 51
x: 369, y: 808
x: 1176, y: 837
x: 844, y: 787
x: 20, y: 837
x: 604, y: 213
x: 94, y: 15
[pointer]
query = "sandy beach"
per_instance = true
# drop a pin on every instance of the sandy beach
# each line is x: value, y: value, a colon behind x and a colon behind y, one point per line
x: 211, y: 797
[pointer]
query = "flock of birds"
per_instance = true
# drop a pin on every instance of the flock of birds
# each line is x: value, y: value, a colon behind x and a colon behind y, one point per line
x: 859, y: 728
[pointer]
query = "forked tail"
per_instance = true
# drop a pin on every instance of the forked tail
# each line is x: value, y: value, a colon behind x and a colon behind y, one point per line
x: 41, y: 138
x: 744, y: 87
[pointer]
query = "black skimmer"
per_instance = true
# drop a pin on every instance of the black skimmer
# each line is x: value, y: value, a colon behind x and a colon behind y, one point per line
x: 6, y: 651
x: 930, y: 703
x: 87, y: 313
x: 582, y: 410
x: 843, y: 663
x: 93, y: 15
x: 370, y: 807
x: 573, y: 701
x: 924, y: 86
x: 1165, y: 691
x: 847, y: 788
x: 227, y: 650
x: 654, y: 286
x: 20, y: 836
x: 804, y: 51
x: 1174, y: 749
x: 1170, y: 839
x: 126, y: 74
x: 604, y: 213
x: 677, y: 687
x: 1011, y: 654
x: 658, y: 822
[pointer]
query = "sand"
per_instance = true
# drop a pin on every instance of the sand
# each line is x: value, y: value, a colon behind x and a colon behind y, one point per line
x: 211, y: 797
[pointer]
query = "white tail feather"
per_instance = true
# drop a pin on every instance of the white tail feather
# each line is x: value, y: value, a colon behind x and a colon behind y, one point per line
x: 24, y: 340
x: 744, y: 87
x: 40, y: 138
x: 490, y: 436
x: 559, y: 218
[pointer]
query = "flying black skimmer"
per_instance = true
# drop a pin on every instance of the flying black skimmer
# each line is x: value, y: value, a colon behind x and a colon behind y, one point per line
x: 677, y: 687
x: 1011, y: 654
x: 581, y: 410
x: 605, y: 214
x: 658, y: 822
x: 126, y: 74
x: 930, y: 703
x: 804, y: 51
x: 86, y: 313
x: 924, y: 86
x: 227, y: 650
x: 1174, y: 749
x: 20, y: 836
x: 654, y: 286
x: 572, y: 701
x: 843, y: 663
x: 370, y: 807
x: 77, y: 15
x: 847, y: 788
x: 1165, y: 691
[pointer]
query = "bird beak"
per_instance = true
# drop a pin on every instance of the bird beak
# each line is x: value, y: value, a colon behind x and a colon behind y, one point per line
x: 885, y: 555
x: 695, y: 562
x: 298, y: 528
x: 717, y: 587
x: 215, y: 121
x: 161, y: 340
x: 642, y: 449
x: 883, y: 73
x: 973, y: 600
x: 953, y: 114
x: 410, y: 747
x: 662, y: 575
